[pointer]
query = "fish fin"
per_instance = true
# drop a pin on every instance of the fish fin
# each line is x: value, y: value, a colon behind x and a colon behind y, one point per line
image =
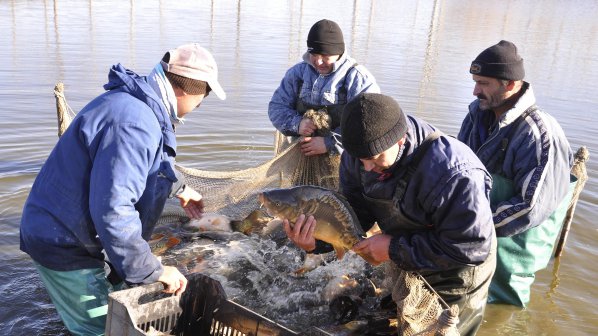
x: 156, y: 236
x: 173, y: 241
x: 340, y: 252
x: 241, y: 226
x: 300, y: 271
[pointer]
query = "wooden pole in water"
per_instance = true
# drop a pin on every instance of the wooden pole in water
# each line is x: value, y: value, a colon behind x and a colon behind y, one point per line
x: 61, y: 109
x: 579, y: 170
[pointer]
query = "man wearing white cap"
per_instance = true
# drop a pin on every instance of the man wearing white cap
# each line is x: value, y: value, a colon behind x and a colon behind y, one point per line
x: 97, y: 198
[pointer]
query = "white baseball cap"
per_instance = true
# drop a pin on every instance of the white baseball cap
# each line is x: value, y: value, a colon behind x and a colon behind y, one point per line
x: 195, y: 62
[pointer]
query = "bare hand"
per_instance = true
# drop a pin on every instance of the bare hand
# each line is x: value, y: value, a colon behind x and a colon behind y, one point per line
x: 173, y: 280
x: 302, y: 233
x: 192, y: 202
x: 374, y: 249
x: 311, y: 146
x: 306, y: 127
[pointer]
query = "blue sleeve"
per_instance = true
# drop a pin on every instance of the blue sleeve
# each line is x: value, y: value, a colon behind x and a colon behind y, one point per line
x: 466, y: 129
x: 179, y: 179
x: 460, y: 222
x: 118, y: 178
x: 281, y: 109
x: 359, y: 80
x: 540, y: 173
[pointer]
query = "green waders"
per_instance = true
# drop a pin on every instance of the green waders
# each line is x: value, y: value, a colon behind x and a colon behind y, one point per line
x: 80, y: 297
x: 521, y: 255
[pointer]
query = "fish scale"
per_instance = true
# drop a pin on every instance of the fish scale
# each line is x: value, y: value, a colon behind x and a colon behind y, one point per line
x: 336, y: 222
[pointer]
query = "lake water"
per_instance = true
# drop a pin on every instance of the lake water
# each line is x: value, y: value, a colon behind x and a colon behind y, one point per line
x: 419, y: 51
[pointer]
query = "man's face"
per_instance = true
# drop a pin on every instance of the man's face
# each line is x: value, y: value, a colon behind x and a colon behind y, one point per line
x: 323, y: 63
x: 379, y: 163
x: 491, y: 92
x: 187, y: 103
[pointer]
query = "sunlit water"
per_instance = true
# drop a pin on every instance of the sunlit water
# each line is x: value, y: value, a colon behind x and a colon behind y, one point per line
x: 259, y: 272
x: 419, y: 51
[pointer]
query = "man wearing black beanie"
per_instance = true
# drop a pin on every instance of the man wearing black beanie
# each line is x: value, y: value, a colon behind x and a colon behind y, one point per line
x: 529, y: 157
x: 321, y: 84
x: 429, y: 195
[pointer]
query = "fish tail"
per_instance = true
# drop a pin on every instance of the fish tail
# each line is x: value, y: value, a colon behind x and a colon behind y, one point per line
x: 340, y: 252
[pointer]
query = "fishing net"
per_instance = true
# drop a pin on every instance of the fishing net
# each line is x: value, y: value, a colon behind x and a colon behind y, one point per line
x: 64, y: 113
x: 234, y: 194
x: 420, y: 311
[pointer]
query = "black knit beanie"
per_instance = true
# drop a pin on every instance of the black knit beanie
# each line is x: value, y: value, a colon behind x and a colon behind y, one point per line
x: 371, y: 123
x: 499, y: 61
x: 325, y: 38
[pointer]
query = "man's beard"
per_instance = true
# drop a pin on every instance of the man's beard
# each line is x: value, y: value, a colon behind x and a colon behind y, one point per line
x: 486, y: 104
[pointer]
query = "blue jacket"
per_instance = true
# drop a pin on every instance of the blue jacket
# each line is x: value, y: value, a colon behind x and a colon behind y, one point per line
x: 446, y: 197
x: 537, y: 160
x: 105, y: 184
x: 303, y: 82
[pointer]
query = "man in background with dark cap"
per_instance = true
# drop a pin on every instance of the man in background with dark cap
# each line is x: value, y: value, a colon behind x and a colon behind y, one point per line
x: 326, y: 79
x: 429, y: 195
x: 529, y: 157
x: 98, y: 196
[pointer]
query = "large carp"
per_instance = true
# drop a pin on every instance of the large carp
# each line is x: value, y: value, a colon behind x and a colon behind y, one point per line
x: 336, y: 222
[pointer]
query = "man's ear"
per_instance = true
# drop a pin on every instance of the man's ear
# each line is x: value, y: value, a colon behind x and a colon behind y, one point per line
x: 402, y: 140
x: 510, y: 85
x: 178, y: 92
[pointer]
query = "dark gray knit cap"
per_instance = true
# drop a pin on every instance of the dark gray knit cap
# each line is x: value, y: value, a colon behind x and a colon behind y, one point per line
x: 499, y: 61
x: 371, y: 123
x: 325, y: 38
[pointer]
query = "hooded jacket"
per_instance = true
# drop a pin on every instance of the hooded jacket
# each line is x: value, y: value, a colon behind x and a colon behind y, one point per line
x: 537, y: 159
x: 303, y: 82
x: 104, y: 185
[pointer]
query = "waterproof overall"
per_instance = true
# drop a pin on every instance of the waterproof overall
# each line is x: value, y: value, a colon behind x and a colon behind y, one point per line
x: 520, y: 256
x: 464, y: 286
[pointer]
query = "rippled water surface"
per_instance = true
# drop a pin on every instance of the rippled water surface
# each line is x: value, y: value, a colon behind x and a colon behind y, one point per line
x: 419, y: 51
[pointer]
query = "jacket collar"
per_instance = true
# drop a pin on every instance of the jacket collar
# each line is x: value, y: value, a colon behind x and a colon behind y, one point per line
x: 526, y: 100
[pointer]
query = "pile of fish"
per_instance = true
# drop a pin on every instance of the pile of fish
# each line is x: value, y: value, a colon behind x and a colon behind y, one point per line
x: 257, y: 265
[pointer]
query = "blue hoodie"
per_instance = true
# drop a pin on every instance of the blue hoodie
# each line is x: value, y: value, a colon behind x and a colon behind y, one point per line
x: 105, y: 184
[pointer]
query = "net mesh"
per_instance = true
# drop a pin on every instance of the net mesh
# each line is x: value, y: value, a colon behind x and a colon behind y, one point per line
x: 420, y: 311
x: 234, y: 194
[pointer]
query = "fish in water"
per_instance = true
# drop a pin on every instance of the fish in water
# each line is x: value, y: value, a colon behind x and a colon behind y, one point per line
x: 162, y: 243
x: 210, y: 222
x: 336, y: 222
x: 255, y: 222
